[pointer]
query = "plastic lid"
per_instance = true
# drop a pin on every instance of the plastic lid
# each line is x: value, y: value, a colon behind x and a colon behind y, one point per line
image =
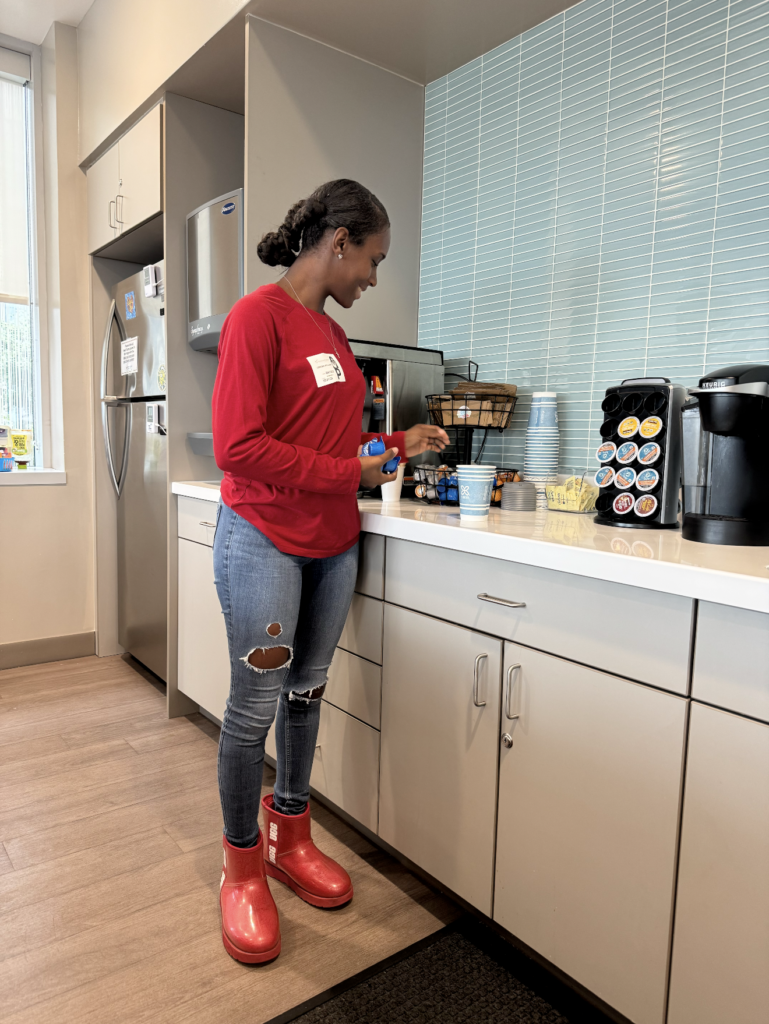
x: 646, y: 505
x: 604, y: 476
x: 648, y: 453
x: 623, y: 504
x: 606, y: 452
x: 627, y: 452
x: 629, y: 426
x: 647, y: 480
x: 651, y: 426
x: 625, y: 478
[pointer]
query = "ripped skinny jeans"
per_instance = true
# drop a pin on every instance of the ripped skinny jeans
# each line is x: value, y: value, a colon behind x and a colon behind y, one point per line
x: 297, y: 607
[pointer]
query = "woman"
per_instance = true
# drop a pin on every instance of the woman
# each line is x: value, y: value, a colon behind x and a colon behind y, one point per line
x: 287, y: 410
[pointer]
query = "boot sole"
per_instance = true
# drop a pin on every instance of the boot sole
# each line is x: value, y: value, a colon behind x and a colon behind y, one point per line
x: 250, y: 958
x: 308, y: 897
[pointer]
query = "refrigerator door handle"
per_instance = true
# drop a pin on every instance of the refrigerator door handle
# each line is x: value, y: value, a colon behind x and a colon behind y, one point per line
x: 107, y: 400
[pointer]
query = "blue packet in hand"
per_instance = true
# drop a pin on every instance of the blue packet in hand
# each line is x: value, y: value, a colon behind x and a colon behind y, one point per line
x: 377, y: 447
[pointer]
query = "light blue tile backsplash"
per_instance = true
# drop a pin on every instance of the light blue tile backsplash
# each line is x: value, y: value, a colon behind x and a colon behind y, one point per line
x: 596, y: 206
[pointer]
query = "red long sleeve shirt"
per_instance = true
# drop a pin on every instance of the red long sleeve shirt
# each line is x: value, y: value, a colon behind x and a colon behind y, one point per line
x: 287, y: 424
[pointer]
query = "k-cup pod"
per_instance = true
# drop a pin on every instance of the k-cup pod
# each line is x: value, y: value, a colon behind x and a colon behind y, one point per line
x: 627, y: 452
x: 623, y: 504
x: 625, y: 478
x: 628, y: 427
x: 648, y: 453
x: 632, y: 403
x: 611, y: 404
x: 647, y: 479
x: 646, y: 505
x: 606, y: 452
x: 605, y: 476
x: 376, y: 446
x: 650, y: 427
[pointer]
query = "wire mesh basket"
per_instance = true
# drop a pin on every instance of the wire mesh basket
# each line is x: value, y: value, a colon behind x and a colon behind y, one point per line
x: 439, y: 484
x: 472, y: 409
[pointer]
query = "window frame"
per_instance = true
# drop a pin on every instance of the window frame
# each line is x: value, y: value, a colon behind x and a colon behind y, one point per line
x: 49, y: 468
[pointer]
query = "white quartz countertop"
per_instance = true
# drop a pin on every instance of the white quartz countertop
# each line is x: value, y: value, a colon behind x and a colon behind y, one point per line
x: 653, y: 559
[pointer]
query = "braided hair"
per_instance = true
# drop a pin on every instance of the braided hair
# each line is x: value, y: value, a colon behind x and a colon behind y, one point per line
x: 337, y: 204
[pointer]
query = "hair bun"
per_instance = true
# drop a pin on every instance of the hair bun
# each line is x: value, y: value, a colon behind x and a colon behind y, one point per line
x: 312, y: 211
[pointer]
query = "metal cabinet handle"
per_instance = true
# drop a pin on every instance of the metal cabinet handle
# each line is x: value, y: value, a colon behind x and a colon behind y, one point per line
x: 204, y: 523
x: 476, y: 670
x: 501, y: 600
x: 109, y: 213
x: 509, y: 693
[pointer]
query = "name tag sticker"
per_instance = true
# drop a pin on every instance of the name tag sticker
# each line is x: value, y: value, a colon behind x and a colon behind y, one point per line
x: 326, y: 369
x: 129, y: 356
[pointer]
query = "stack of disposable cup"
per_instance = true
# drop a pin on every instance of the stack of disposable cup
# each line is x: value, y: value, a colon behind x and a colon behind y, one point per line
x: 540, y: 460
x: 475, y: 486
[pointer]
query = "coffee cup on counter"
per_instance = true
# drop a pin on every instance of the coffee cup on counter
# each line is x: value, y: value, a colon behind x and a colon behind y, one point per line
x: 475, y: 486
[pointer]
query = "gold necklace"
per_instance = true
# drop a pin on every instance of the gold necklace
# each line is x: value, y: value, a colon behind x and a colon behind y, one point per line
x: 309, y: 314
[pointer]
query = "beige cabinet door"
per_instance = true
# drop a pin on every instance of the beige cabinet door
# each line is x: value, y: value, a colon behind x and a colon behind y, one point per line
x: 440, y: 742
x: 589, y: 797
x: 720, y: 969
x: 346, y: 765
x: 102, y: 181
x: 140, y: 194
x: 204, y: 661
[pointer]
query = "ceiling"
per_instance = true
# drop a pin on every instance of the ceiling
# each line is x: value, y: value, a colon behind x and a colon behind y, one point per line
x: 30, y: 19
x: 419, y: 39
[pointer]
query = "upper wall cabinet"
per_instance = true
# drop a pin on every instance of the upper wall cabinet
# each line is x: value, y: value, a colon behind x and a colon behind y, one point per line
x: 125, y: 185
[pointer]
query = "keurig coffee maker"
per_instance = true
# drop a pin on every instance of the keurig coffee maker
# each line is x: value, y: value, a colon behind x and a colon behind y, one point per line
x: 725, y: 426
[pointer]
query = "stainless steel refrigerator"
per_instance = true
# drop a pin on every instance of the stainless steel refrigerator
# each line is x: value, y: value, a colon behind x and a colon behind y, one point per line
x: 133, y: 403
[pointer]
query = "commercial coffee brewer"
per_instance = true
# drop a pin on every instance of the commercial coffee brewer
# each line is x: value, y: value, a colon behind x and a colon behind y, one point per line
x: 725, y: 427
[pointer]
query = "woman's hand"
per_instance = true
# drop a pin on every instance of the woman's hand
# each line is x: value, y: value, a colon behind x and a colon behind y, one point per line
x: 423, y: 437
x: 371, y: 474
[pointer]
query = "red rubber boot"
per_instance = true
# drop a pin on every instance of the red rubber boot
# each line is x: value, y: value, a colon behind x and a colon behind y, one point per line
x: 294, y: 859
x: 250, y: 925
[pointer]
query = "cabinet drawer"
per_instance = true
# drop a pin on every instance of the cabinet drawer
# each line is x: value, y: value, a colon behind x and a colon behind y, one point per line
x: 371, y: 565
x: 355, y: 686
x: 731, y: 659
x: 640, y: 634
x: 362, y: 633
x: 204, y: 662
x: 346, y: 765
x: 197, y: 520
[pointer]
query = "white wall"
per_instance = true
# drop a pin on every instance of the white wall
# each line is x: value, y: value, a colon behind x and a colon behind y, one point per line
x: 314, y: 113
x: 128, y: 48
x: 47, y: 559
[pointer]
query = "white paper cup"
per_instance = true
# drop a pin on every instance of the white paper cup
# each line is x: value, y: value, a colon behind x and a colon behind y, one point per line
x: 392, y: 491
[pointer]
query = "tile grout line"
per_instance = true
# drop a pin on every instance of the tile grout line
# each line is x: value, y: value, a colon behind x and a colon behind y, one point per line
x: 718, y: 185
x: 591, y: 407
x: 656, y: 186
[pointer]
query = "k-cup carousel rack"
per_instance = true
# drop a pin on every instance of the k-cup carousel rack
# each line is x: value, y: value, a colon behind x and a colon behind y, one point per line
x: 640, y: 454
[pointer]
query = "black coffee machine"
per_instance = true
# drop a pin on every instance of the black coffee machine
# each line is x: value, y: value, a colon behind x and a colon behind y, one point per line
x: 725, y: 428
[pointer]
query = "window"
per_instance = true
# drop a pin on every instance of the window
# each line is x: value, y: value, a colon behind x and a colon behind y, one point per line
x: 19, y: 361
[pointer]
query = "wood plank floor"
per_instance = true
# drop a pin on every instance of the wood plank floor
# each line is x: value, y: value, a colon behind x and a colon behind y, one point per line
x: 110, y: 858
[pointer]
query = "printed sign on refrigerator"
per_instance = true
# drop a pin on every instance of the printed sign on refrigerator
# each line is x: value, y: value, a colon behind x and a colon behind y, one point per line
x: 129, y: 356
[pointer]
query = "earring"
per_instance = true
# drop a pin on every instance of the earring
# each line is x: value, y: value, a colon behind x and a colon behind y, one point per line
x: 339, y: 256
